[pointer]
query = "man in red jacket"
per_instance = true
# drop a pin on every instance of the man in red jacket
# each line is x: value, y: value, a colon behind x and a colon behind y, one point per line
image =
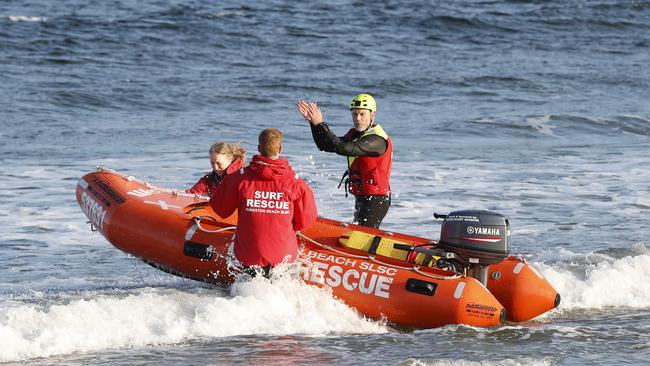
x: 273, y: 204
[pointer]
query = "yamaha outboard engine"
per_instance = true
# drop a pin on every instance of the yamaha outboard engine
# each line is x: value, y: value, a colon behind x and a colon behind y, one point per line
x: 478, y: 238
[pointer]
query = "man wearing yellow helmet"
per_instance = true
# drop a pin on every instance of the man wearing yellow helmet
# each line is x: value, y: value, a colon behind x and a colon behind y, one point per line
x: 369, y: 151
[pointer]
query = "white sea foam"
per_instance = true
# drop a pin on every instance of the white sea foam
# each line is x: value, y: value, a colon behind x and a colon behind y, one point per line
x: 168, y: 316
x: 223, y: 14
x: 602, y: 282
x: 542, y: 125
x: 524, y: 361
x: 26, y: 18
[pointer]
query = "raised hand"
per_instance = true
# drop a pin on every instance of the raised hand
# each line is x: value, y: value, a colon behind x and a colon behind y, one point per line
x: 311, y: 112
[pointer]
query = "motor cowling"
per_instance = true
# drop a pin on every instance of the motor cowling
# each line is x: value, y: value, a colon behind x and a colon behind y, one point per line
x: 476, y: 236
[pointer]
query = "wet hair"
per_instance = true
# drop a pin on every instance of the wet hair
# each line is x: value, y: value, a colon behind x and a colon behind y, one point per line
x: 270, y: 141
x: 235, y: 151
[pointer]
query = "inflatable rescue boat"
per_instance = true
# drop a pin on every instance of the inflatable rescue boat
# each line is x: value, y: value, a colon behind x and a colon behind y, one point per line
x: 467, y: 277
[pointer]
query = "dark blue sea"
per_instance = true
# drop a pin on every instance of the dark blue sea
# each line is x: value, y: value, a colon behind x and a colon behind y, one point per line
x: 539, y: 110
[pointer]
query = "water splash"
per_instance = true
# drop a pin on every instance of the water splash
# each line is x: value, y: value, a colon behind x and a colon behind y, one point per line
x: 151, y: 316
x: 600, y: 280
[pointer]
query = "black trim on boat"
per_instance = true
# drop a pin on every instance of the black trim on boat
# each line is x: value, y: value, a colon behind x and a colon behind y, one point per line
x: 110, y: 192
x: 197, y: 250
x: 421, y: 287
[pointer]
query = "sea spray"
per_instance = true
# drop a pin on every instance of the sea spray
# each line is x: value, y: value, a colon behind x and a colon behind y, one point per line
x: 148, y: 316
x: 600, y: 281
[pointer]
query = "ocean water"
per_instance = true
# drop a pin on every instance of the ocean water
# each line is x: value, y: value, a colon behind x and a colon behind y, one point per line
x: 538, y: 110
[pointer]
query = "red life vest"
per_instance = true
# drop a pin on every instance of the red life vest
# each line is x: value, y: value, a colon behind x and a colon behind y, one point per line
x: 370, y: 175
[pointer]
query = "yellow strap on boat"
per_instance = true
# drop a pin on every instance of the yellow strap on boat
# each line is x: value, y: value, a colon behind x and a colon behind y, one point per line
x: 385, y: 247
x: 364, y: 241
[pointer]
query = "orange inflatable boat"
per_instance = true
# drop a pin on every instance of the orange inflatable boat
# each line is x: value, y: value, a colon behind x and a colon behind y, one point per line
x: 467, y: 277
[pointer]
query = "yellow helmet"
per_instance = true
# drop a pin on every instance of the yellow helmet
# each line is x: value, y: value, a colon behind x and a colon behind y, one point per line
x: 364, y: 101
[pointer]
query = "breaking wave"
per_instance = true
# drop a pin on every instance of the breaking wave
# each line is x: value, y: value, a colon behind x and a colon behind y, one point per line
x: 151, y: 316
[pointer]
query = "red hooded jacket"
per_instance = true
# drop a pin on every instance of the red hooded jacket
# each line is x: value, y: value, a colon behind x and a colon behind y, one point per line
x: 273, y: 204
x: 206, y: 185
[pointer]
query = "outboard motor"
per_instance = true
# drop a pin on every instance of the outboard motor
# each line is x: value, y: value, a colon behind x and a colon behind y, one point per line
x: 478, y: 238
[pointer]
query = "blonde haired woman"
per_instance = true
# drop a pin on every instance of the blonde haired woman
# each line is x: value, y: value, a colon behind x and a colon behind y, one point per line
x: 225, y: 159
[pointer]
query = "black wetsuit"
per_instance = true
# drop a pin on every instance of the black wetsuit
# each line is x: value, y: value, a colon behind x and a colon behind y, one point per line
x: 369, y: 210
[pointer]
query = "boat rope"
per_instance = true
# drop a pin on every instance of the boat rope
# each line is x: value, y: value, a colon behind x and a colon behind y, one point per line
x: 148, y: 185
x: 197, y: 219
x: 414, y: 268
